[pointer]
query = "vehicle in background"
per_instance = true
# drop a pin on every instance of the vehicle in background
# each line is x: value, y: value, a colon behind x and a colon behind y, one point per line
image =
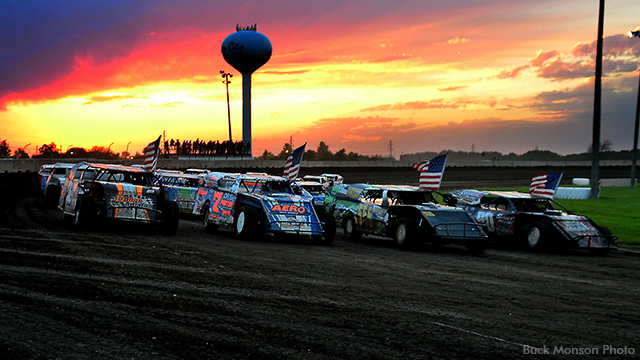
x: 54, y: 182
x: 43, y: 173
x: 179, y: 187
x: 102, y: 191
x: 334, y: 179
x: 314, y: 189
x: 316, y: 178
x: 196, y: 171
x: 533, y: 222
x: 253, y: 205
x: 407, y: 214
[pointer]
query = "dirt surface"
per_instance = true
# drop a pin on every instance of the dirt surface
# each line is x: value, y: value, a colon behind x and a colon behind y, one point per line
x: 124, y: 292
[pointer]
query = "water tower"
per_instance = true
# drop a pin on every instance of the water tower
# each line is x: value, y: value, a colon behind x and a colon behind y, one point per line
x: 246, y: 50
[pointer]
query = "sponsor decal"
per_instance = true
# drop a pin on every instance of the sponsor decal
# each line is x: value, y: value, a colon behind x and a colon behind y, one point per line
x: 296, y: 209
x: 138, y: 201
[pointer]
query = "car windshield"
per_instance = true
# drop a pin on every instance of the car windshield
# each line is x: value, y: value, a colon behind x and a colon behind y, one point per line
x: 134, y: 178
x: 410, y: 197
x: 277, y: 186
x: 533, y: 205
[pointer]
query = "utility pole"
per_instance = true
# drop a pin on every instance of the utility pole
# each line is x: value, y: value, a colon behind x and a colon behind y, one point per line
x: 597, y: 99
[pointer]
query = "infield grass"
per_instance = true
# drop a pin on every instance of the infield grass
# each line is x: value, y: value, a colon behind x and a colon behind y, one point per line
x: 618, y: 209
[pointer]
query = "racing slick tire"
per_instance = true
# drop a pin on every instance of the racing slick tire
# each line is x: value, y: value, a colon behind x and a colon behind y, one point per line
x: 81, y: 216
x: 246, y: 222
x: 536, y: 235
x: 328, y: 229
x: 350, y: 231
x: 170, y: 218
x: 406, y: 233
x: 206, y: 222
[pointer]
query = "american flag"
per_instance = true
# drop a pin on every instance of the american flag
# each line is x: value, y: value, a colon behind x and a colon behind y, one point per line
x: 151, y: 155
x: 292, y: 167
x: 545, y: 185
x: 431, y: 172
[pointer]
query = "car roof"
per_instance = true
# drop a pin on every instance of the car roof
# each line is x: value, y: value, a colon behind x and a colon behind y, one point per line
x: 172, y: 174
x: 504, y: 194
x: 408, y: 188
x: 114, y: 167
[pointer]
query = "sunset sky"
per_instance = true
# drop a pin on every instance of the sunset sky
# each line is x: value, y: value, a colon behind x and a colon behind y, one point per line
x: 506, y: 76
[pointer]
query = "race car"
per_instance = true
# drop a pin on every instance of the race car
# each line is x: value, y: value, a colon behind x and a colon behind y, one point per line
x: 257, y: 204
x: 534, y: 222
x: 179, y: 187
x: 54, y: 181
x: 408, y: 214
x: 102, y: 191
x: 314, y: 189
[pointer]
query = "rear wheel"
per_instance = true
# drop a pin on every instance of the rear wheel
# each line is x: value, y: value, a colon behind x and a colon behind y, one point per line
x: 406, y: 232
x: 328, y: 229
x: 350, y: 231
x: 246, y: 222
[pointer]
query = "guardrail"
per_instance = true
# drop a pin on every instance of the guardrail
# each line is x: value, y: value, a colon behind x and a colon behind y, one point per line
x: 33, y: 165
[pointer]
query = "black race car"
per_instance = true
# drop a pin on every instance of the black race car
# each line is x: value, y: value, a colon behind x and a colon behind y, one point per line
x: 534, y: 222
x: 407, y: 214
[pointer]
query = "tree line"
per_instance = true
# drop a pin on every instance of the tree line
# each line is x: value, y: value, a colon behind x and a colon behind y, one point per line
x: 323, y: 153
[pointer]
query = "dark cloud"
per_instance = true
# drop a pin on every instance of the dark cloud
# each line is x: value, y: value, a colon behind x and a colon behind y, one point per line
x: 620, y: 56
x: 42, y: 39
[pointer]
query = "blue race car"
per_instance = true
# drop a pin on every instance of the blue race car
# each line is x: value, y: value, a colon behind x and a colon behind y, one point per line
x: 255, y: 204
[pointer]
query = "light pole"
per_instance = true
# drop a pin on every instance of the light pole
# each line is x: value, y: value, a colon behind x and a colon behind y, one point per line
x: 634, y: 154
x: 226, y: 81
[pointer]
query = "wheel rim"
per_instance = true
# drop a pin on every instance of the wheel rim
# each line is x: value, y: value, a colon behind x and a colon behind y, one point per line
x: 348, y: 227
x: 401, y: 233
x: 240, y: 223
x: 534, y: 237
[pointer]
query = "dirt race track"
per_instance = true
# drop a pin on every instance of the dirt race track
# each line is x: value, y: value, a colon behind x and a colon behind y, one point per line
x: 127, y: 293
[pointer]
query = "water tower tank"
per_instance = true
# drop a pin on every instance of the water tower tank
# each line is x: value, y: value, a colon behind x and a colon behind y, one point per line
x: 246, y: 50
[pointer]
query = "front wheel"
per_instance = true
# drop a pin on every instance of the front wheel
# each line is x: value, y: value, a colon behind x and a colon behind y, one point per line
x: 536, y: 235
x: 246, y: 222
x: 170, y: 218
x: 206, y: 219
x: 406, y: 232
x: 350, y: 231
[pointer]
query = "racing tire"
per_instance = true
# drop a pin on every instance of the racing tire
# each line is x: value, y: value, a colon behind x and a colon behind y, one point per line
x: 350, y: 231
x: 170, y: 218
x: 535, y: 236
x: 246, y: 222
x: 80, y: 217
x: 406, y: 233
x: 328, y: 228
x: 206, y: 222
